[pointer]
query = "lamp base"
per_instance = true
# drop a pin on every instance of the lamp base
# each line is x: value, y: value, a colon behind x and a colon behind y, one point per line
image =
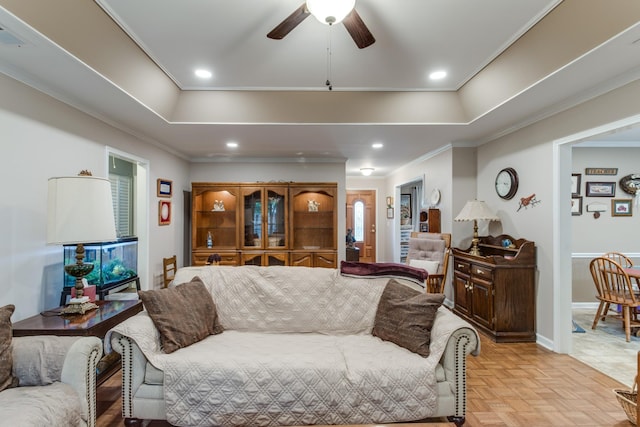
x: 81, y: 308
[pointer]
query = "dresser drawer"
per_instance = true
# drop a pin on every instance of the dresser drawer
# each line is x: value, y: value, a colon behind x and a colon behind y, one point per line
x: 462, y: 266
x: 482, y: 272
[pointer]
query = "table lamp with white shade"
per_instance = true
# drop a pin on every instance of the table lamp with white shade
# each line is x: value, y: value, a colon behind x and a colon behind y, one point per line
x: 475, y: 210
x: 80, y: 210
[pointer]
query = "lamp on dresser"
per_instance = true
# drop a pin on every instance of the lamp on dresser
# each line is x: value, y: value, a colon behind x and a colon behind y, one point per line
x: 475, y: 210
x: 80, y: 210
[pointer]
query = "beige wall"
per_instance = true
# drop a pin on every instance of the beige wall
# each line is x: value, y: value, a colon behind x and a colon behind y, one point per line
x: 592, y: 237
x: 42, y: 138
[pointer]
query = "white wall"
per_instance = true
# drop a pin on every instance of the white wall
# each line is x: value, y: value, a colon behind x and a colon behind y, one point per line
x: 42, y: 138
x: 273, y: 171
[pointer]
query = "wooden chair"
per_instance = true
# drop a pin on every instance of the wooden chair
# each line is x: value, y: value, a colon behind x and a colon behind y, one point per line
x: 620, y: 258
x: 614, y: 287
x: 169, y: 267
x: 434, y: 247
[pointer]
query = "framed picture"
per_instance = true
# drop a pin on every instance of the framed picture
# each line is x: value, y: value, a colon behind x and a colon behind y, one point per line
x: 576, y: 206
x: 601, y: 171
x: 600, y: 189
x: 424, y: 227
x: 405, y: 209
x: 621, y: 207
x: 575, y: 184
x: 389, y: 201
x: 164, y: 212
x: 389, y: 213
x: 164, y: 187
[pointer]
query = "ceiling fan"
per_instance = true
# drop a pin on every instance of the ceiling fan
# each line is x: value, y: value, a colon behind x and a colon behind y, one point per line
x: 329, y: 13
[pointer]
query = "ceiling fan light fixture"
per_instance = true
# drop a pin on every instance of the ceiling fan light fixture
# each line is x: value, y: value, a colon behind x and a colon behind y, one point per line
x: 330, y: 12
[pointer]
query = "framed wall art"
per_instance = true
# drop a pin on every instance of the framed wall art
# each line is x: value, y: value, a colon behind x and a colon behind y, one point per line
x: 576, y: 206
x: 600, y: 189
x: 621, y: 207
x: 601, y: 171
x: 575, y: 184
x: 389, y: 213
x: 164, y: 212
x: 164, y: 187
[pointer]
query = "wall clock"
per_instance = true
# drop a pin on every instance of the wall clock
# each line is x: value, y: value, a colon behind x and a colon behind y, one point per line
x: 507, y: 183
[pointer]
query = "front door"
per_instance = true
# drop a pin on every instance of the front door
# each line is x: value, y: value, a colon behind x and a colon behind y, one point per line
x: 361, y: 219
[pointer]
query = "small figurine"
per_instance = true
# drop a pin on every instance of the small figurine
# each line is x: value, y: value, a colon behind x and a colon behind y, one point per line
x: 350, y: 238
x: 218, y: 205
x: 313, y: 205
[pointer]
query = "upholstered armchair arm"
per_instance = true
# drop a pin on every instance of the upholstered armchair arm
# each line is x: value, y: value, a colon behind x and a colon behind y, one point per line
x: 42, y: 360
x: 462, y: 342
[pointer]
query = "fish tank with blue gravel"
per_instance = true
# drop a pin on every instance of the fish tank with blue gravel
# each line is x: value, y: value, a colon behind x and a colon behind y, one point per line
x: 114, y: 262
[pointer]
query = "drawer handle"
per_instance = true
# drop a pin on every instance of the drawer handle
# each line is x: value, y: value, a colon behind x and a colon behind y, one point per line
x: 460, y: 265
x: 479, y: 271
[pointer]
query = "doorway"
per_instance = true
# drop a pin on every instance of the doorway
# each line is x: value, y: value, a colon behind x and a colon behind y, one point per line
x: 361, y: 219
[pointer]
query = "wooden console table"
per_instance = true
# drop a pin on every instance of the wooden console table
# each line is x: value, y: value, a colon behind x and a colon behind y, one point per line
x: 93, y: 323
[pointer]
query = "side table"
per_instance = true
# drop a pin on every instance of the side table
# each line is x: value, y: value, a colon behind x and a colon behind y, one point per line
x: 94, y: 323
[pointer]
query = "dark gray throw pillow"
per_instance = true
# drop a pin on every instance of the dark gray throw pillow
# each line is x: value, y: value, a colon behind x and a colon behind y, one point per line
x: 183, y: 314
x: 405, y: 317
x: 7, y: 380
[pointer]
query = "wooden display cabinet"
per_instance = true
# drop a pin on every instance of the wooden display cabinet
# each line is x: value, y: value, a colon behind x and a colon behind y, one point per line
x: 271, y: 224
x: 496, y: 290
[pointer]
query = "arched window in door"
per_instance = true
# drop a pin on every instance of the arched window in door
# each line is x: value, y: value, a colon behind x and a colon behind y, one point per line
x: 358, y: 220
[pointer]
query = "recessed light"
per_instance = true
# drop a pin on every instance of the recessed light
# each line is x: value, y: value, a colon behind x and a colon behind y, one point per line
x: 203, y: 74
x: 232, y: 144
x: 377, y: 145
x: 438, y: 75
x: 366, y: 171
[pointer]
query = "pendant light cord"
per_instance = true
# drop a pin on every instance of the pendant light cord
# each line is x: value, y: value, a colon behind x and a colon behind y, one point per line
x: 328, y: 82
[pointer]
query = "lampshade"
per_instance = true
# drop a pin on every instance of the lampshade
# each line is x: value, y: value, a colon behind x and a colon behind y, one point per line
x: 80, y: 210
x: 476, y: 210
x: 330, y: 11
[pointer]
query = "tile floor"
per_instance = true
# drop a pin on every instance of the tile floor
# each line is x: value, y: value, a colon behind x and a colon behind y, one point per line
x: 606, y: 348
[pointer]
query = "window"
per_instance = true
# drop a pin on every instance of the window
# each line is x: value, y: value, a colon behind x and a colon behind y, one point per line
x: 121, y: 177
x: 358, y: 220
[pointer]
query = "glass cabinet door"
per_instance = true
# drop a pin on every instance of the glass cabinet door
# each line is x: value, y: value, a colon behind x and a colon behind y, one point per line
x: 252, y: 206
x: 276, y: 217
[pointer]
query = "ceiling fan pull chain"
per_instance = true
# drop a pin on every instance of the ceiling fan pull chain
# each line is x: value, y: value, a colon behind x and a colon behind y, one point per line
x: 328, y: 82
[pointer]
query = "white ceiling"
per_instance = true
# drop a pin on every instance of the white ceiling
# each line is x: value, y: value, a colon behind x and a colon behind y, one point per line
x: 413, y: 38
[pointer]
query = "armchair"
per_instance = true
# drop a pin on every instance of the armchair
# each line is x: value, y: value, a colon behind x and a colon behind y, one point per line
x: 57, y: 382
x: 431, y: 252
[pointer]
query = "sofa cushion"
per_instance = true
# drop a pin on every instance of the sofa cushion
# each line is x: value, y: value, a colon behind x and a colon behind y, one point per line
x: 183, y: 314
x: 405, y: 317
x: 38, y: 360
x: 7, y: 379
x: 56, y: 404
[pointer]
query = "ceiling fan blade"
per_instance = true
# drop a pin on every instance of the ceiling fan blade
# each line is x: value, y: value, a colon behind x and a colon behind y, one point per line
x: 358, y: 30
x: 289, y: 23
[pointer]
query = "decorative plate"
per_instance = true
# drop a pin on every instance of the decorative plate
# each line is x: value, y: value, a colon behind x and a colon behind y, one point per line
x: 435, y: 197
x: 631, y: 184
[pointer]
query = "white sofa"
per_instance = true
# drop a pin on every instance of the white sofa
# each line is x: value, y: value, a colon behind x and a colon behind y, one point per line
x: 297, y: 349
x: 57, y: 382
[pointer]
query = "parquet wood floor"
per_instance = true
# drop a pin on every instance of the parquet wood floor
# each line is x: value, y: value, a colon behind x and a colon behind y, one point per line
x: 515, y: 385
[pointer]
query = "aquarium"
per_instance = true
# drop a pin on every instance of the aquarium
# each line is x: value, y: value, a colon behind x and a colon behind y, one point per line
x: 114, y: 263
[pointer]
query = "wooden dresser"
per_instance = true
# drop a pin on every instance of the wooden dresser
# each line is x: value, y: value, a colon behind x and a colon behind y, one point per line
x: 496, y: 290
